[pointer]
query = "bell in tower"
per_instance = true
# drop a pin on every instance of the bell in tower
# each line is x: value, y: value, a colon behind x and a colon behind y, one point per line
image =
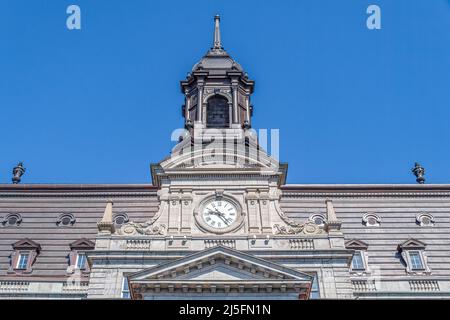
x: 217, y: 91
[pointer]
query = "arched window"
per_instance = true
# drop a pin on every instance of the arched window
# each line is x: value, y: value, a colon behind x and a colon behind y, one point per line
x: 217, y: 112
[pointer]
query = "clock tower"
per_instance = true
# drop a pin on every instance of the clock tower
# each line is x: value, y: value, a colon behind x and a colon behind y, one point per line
x: 219, y: 229
x: 218, y: 181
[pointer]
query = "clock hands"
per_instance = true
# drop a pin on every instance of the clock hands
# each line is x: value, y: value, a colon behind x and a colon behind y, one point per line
x: 221, y: 216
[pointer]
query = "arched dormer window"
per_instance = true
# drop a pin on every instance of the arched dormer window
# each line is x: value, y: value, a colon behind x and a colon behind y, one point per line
x: 217, y: 112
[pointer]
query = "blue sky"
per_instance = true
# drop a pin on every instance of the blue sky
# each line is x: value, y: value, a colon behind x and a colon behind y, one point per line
x: 98, y: 105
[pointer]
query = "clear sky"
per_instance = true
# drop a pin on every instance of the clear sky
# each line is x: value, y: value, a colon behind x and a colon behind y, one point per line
x: 98, y: 105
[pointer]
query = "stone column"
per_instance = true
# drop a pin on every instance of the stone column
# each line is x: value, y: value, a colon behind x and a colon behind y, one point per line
x: 200, y: 102
x: 254, y: 222
x: 174, y: 214
x: 186, y: 212
x: 234, y: 88
x: 187, y: 106
x: 265, y: 213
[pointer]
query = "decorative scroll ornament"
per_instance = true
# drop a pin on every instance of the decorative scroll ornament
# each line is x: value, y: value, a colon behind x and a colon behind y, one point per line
x: 297, y: 228
x: 144, y: 228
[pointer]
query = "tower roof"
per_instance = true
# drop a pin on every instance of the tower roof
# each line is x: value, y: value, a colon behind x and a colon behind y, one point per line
x: 217, y: 57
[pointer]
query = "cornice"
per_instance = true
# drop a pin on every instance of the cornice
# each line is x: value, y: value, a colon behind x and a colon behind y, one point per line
x: 365, y: 190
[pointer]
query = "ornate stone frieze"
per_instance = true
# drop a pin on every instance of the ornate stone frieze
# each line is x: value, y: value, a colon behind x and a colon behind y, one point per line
x: 296, y: 228
x: 143, y: 228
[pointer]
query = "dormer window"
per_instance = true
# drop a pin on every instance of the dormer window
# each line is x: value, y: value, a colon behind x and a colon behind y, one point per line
x: 65, y: 220
x: 371, y: 220
x: 318, y: 219
x: 12, y: 220
x: 413, y: 254
x: 425, y: 220
x: 23, y: 256
x: 120, y: 219
x: 359, y: 263
x: 77, y: 256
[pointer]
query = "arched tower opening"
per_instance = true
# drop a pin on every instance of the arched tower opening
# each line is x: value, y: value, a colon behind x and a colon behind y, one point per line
x: 217, y: 112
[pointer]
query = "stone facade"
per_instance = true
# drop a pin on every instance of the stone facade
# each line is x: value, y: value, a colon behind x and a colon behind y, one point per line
x: 219, y: 221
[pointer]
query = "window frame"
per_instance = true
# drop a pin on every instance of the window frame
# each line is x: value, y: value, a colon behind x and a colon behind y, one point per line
x: 413, y: 262
x: 361, y: 255
x: 77, y: 261
x: 412, y: 247
x: 77, y: 248
x: 20, y: 248
x: 19, y: 261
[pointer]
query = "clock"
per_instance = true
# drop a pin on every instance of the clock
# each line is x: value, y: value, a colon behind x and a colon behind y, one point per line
x: 219, y: 214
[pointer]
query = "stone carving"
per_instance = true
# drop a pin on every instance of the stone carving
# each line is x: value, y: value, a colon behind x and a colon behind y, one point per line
x: 143, y: 228
x: 297, y: 228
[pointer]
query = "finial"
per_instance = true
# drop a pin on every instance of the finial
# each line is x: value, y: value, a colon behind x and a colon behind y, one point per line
x: 217, y: 42
x: 106, y: 225
x: 419, y: 172
x: 18, y: 172
x: 332, y: 222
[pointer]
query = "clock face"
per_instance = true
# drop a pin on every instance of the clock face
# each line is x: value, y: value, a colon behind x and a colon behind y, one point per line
x: 219, y: 214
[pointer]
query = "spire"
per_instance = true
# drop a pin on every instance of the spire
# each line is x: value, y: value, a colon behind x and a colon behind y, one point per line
x: 217, y: 42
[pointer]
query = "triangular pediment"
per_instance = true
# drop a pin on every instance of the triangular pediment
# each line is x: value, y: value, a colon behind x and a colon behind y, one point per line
x: 356, y: 244
x: 220, y: 264
x: 412, y: 244
x: 26, y: 244
x: 82, y: 244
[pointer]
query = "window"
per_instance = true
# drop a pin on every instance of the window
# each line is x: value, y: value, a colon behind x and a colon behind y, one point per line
x: 81, y: 261
x: 217, y: 112
x: 425, y: 220
x: 12, y: 220
x: 318, y: 219
x: 23, y: 256
x: 358, y: 261
x: 22, y: 262
x: 416, y: 260
x: 125, y: 289
x: 413, y: 256
x: 120, y: 219
x: 371, y: 220
x: 77, y: 259
x: 359, y: 264
x: 65, y: 220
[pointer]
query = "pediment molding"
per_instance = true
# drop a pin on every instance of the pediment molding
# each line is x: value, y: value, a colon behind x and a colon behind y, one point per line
x: 82, y: 244
x: 26, y: 244
x: 412, y: 244
x: 238, y: 263
x: 356, y: 244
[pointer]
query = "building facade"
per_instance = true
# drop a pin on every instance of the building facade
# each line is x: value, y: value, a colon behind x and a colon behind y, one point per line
x: 219, y: 221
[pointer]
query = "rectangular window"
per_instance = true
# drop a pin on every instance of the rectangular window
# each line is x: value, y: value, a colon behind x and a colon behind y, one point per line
x: 416, y: 260
x: 125, y: 289
x: 22, y: 263
x: 357, y: 261
x: 81, y: 261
